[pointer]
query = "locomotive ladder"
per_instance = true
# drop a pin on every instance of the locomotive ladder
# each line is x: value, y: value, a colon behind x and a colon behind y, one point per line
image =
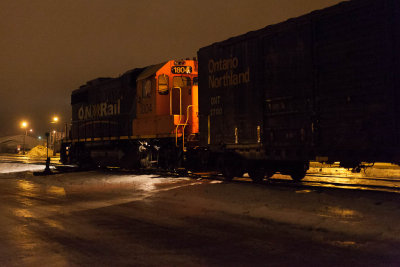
x: 183, y: 125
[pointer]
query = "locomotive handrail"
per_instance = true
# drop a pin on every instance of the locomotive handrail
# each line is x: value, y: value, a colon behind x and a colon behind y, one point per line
x: 186, y: 123
x: 183, y: 127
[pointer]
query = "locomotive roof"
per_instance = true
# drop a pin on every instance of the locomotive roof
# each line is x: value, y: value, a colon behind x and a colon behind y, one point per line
x: 151, y: 70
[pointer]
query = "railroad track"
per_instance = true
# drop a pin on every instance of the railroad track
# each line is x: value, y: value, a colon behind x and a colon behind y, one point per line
x: 323, y: 181
x: 315, y: 179
x: 311, y: 181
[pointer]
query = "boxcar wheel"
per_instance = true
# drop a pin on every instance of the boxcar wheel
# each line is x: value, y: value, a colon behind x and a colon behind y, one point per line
x: 228, y: 167
x: 299, y: 171
x: 297, y: 176
x: 228, y: 173
x: 257, y: 175
x: 269, y: 173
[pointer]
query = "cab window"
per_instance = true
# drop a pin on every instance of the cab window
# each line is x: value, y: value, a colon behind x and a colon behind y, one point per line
x: 163, y: 84
x: 181, y: 81
x: 146, y: 88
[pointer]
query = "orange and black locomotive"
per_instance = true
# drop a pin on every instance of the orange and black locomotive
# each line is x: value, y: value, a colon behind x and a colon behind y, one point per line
x: 144, y: 117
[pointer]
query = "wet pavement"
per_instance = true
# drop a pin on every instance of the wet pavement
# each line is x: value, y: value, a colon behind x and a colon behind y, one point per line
x: 127, y: 219
x: 19, y: 158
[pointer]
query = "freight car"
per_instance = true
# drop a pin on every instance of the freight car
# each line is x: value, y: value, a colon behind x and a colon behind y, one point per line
x: 324, y: 87
x: 136, y: 120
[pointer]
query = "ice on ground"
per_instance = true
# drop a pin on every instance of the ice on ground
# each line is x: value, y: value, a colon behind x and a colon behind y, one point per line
x: 39, y: 152
x: 352, y: 212
x: 357, y: 213
x: 18, y: 167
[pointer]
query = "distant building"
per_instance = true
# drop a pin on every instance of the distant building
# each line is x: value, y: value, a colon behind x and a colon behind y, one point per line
x: 14, y: 144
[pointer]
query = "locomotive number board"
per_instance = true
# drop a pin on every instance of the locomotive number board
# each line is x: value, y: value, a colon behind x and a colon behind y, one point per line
x: 181, y: 69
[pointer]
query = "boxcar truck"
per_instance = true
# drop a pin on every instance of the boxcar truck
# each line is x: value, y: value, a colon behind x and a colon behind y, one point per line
x: 321, y: 87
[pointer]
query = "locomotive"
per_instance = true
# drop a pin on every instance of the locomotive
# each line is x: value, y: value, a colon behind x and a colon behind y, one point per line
x: 321, y: 87
x: 146, y: 116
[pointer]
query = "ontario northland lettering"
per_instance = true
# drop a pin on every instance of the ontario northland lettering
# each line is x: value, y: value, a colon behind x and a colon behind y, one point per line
x: 99, y: 110
x: 222, y: 73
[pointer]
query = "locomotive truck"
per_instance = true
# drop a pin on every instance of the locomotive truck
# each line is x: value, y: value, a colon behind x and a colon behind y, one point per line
x: 321, y: 87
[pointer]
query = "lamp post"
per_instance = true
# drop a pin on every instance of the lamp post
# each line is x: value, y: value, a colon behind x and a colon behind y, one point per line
x: 47, y: 169
x: 54, y: 120
x: 24, y: 124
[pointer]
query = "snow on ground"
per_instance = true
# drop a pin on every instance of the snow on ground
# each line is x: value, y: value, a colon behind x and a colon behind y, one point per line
x: 18, y: 167
x: 39, y: 152
x: 381, y: 170
x: 341, y: 211
x: 352, y: 212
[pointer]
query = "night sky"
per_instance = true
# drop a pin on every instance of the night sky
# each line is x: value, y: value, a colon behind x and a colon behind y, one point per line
x: 50, y: 47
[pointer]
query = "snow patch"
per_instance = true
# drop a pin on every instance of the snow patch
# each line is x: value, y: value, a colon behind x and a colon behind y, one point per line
x: 344, y: 212
x: 39, y: 152
x: 304, y: 209
x: 18, y: 167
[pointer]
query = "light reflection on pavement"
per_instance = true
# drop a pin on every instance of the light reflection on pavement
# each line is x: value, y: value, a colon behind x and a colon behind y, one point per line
x: 381, y: 177
x: 341, y: 213
x: 56, y: 191
x: 54, y: 160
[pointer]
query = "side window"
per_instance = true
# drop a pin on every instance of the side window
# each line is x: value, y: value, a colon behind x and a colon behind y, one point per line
x: 163, y: 84
x: 181, y: 81
x: 146, y: 88
x: 195, y: 81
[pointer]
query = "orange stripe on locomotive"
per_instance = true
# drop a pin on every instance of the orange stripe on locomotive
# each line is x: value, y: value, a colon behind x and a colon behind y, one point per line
x: 167, y: 100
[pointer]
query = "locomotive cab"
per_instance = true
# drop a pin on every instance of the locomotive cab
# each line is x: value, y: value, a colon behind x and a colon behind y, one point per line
x: 167, y: 102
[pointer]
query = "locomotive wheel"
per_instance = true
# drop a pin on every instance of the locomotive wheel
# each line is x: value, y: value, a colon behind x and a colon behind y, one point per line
x: 181, y: 172
x: 169, y: 159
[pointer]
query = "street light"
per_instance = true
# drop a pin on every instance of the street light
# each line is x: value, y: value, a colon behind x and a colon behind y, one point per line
x: 24, y: 124
x: 47, y: 169
x: 54, y: 120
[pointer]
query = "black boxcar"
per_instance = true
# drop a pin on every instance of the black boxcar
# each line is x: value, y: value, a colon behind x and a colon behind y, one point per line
x: 322, y: 87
